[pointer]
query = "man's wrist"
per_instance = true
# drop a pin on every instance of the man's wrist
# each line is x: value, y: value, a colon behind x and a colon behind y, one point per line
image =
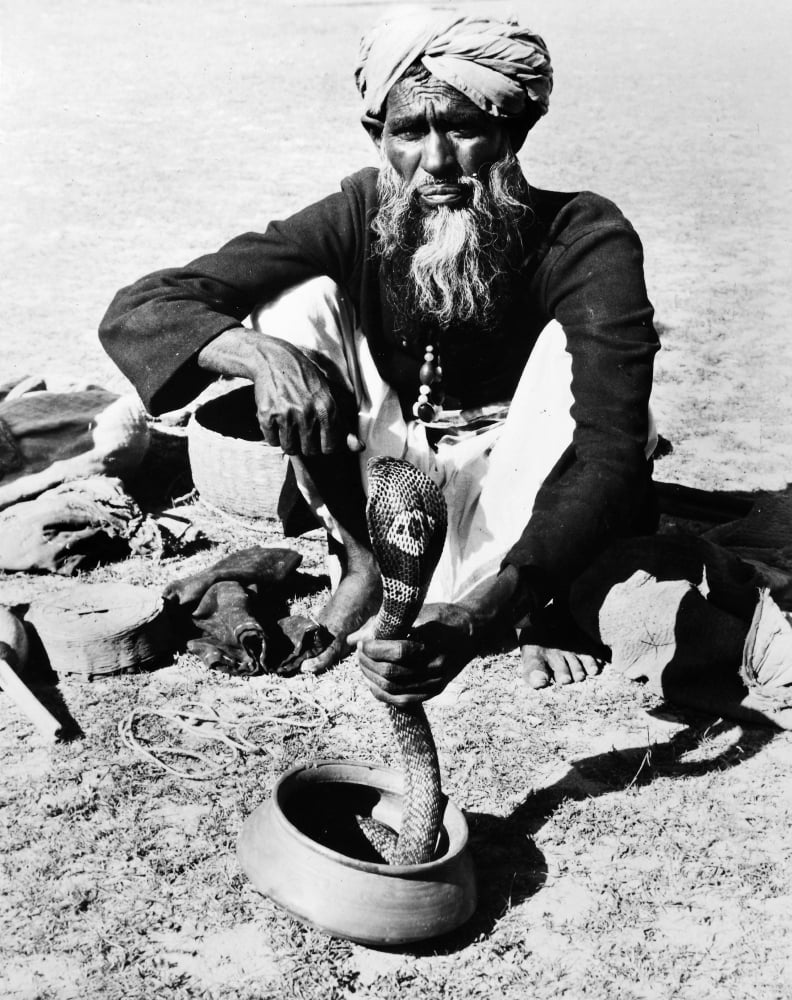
x: 510, y: 599
x: 488, y: 607
x: 532, y: 593
x: 236, y: 351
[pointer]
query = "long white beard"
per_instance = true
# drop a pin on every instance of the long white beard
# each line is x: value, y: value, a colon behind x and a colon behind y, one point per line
x: 449, y: 266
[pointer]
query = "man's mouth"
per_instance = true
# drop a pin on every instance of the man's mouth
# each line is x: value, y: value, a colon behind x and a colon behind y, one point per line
x: 442, y: 194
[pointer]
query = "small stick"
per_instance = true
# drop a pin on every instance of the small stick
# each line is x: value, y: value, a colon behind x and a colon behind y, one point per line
x: 13, y: 653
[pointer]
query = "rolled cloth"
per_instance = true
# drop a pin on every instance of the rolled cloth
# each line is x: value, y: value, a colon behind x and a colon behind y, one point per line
x: 502, y: 68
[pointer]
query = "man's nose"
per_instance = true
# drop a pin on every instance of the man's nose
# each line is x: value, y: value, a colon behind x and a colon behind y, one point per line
x: 437, y: 156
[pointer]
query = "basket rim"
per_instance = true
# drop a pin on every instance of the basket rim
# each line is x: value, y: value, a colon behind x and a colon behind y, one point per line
x: 197, y: 430
x: 205, y: 409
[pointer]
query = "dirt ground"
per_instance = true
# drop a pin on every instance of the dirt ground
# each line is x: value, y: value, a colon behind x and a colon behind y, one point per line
x: 622, y: 850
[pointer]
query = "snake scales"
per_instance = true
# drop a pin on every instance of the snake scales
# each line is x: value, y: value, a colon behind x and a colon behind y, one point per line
x: 407, y: 517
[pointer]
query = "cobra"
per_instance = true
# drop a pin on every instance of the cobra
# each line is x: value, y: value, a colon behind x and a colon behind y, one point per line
x: 407, y: 519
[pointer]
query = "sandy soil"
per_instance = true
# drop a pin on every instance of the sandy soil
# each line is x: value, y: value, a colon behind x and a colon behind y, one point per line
x: 623, y: 852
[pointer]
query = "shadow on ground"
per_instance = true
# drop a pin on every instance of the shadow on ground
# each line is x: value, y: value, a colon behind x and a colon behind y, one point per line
x: 759, y: 522
x: 509, y: 865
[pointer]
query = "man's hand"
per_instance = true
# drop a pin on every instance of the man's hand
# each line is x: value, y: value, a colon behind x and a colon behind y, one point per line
x: 405, y: 671
x: 297, y: 409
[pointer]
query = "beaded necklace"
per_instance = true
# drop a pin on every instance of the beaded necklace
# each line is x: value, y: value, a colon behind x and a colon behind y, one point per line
x: 431, y: 393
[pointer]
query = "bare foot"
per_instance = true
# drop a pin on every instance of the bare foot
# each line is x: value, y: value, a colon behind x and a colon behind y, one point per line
x: 322, y: 640
x: 542, y: 666
x: 357, y: 597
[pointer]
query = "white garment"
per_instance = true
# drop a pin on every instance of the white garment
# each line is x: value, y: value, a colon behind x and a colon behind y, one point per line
x: 489, y: 478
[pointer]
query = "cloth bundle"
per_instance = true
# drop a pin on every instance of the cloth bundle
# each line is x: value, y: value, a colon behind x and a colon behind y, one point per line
x: 49, y: 438
x: 766, y: 667
x: 668, y: 604
x: 74, y: 527
x: 62, y: 507
x: 235, y: 606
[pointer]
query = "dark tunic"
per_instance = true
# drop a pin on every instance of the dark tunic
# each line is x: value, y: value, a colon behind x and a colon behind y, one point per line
x: 583, y: 267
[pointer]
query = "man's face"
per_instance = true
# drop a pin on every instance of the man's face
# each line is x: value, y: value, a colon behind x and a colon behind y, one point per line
x: 433, y: 135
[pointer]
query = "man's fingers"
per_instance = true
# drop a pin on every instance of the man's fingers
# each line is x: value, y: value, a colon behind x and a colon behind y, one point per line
x: 330, y: 436
x: 270, y: 431
x: 354, y: 443
x: 391, y: 652
x: 334, y: 420
x: 393, y: 677
x: 404, y: 682
x: 279, y: 432
x: 347, y: 419
x: 399, y: 692
x: 310, y: 431
x: 301, y: 408
x: 291, y: 441
x: 399, y: 700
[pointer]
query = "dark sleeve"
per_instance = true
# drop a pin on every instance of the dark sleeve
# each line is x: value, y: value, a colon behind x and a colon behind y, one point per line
x: 594, y: 286
x: 154, y: 329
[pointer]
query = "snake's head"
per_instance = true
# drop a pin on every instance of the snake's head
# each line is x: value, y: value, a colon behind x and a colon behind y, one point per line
x: 411, y: 531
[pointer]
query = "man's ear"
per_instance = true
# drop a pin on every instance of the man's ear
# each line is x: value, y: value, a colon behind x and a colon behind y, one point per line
x: 374, y: 128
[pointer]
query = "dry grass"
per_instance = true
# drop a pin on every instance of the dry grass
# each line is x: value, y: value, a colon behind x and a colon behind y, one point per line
x: 622, y: 851
x: 619, y: 846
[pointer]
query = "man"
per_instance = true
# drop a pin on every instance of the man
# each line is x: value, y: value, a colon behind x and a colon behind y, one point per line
x: 437, y: 310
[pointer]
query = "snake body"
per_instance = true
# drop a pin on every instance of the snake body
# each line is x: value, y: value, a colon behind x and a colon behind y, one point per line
x: 407, y: 518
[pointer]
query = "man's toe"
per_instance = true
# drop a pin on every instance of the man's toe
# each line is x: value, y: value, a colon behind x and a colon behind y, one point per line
x: 576, y: 668
x: 540, y: 677
x: 558, y: 664
x: 591, y: 665
x: 542, y: 666
x: 535, y: 671
x: 325, y: 660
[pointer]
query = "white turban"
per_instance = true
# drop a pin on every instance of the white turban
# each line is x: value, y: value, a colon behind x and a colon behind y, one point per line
x: 502, y: 68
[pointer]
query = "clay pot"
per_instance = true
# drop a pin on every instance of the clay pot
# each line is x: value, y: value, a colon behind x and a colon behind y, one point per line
x: 304, y: 850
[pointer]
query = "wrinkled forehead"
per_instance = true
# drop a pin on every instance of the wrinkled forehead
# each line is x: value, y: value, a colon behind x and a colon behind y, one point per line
x: 412, y: 96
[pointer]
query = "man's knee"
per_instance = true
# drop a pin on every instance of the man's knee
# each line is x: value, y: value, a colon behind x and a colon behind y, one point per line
x: 729, y: 583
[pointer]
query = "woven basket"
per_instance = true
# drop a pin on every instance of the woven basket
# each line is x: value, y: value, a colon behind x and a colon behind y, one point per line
x: 98, y: 629
x: 232, y: 467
